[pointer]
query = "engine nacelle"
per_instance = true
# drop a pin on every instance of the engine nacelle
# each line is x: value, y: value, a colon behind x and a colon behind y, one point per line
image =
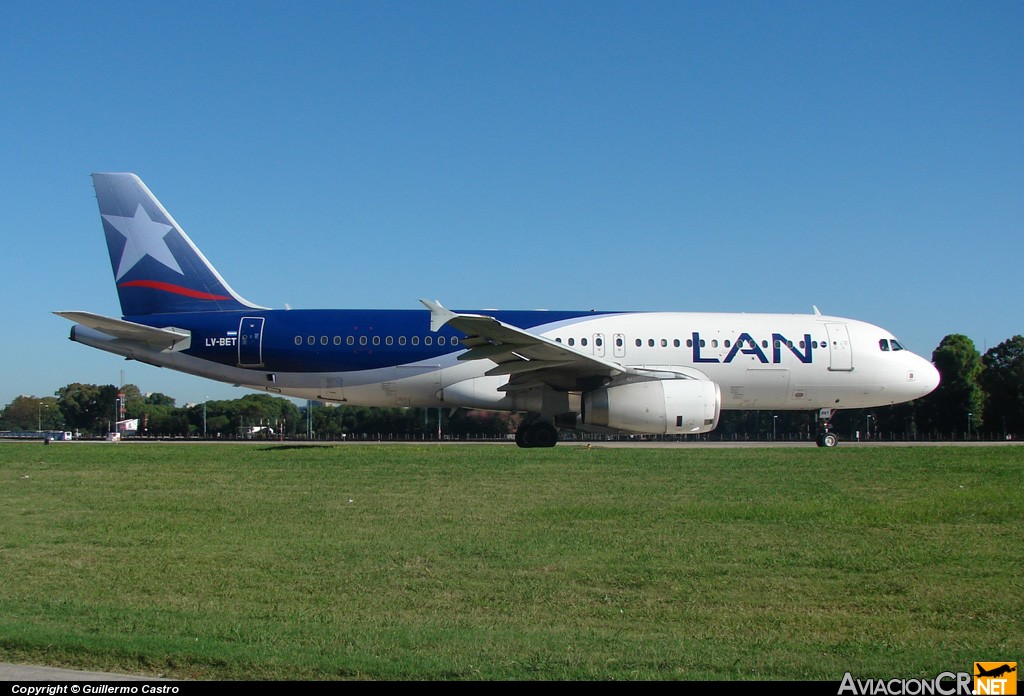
x: 657, y: 407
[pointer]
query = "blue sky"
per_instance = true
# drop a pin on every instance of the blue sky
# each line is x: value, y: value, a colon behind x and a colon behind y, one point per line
x: 865, y: 157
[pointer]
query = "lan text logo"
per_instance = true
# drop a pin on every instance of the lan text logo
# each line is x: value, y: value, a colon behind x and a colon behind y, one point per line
x: 995, y: 678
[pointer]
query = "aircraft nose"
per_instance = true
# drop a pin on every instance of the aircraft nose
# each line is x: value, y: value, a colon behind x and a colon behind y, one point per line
x: 926, y: 377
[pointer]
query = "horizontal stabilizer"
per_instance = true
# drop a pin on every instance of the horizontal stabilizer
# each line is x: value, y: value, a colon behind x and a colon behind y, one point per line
x: 165, y: 339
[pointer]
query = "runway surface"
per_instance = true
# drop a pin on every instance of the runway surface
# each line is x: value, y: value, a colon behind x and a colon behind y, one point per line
x: 33, y: 673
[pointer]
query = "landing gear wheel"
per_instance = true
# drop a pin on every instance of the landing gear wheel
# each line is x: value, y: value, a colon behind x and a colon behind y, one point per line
x: 828, y: 440
x: 543, y: 435
x: 537, y: 435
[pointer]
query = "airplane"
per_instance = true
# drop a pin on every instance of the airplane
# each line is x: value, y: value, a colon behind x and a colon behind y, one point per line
x: 597, y: 371
x: 994, y: 672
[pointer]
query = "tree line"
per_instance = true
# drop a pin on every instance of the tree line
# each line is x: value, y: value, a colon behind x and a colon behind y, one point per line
x: 93, y: 410
x: 979, y: 397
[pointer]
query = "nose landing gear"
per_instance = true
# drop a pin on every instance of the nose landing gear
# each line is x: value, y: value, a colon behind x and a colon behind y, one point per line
x: 826, y: 438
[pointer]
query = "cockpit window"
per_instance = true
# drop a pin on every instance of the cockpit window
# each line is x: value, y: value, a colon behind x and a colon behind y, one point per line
x: 896, y: 344
x: 884, y: 344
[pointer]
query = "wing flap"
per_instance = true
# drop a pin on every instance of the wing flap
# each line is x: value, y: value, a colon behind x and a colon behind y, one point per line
x: 519, y: 367
x: 491, y: 351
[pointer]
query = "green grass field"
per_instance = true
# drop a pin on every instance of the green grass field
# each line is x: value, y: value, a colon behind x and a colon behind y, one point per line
x: 491, y: 562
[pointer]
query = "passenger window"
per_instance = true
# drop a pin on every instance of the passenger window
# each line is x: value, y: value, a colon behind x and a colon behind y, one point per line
x: 415, y: 340
x: 664, y: 343
x: 376, y: 340
x: 311, y: 340
x: 675, y: 343
x: 440, y: 340
x: 298, y: 340
x: 689, y: 343
x: 598, y: 342
x: 323, y: 340
x: 362, y: 340
x: 572, y: 341
x: 650, y: 342
x: 583, y: 341
x: 337, y: 340
x: 350, y: 340
x: 558, y: 339
x: 388, y: 341
x: 427, y: 340
x: 455, y: 340
x: 618, y: 342
x: 639, y: 343
x: 401, y: 340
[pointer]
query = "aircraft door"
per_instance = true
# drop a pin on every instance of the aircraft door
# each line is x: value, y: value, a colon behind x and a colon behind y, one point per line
x: 332, y: 388
x: 766, y: 385
x: 840, y: 354
x: 250, y: 342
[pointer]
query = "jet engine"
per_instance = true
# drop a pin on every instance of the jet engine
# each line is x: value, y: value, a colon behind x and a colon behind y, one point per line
x: 656, y: 407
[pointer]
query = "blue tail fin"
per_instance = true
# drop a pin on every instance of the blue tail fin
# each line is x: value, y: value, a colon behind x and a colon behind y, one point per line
x: 156, y: 266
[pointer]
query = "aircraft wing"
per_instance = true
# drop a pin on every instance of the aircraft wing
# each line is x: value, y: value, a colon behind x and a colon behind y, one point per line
x: 529, y: 359
x: 165, y: 339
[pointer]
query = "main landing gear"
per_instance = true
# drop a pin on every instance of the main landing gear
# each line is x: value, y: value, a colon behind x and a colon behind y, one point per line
x: 537, y: 434
x: 826, y: 438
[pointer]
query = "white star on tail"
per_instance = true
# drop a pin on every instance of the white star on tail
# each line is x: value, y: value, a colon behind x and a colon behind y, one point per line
x: 143, y: 237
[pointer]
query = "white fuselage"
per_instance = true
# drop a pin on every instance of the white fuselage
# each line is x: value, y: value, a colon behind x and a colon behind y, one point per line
x: 796, y: 362
x: 759, y: 361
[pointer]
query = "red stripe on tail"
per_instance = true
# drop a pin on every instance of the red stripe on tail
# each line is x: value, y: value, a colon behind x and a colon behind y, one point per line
x: 176, y: 289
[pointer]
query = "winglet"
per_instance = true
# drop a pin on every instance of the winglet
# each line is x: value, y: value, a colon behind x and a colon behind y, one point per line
x: 439, y: 316
x: 168, y: 338
x: 817, y: 312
